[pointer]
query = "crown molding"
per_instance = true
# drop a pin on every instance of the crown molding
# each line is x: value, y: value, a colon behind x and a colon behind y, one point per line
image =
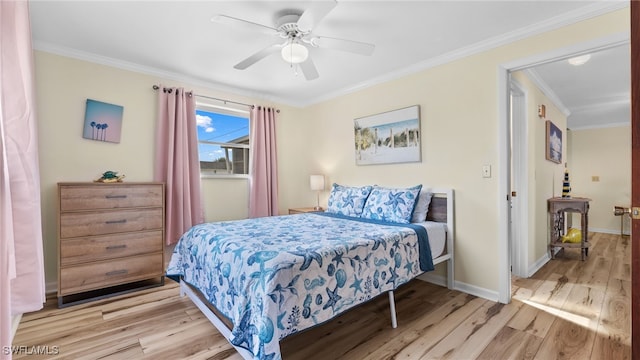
x: 556, y: 22
x: 162, y: 74
x: 618, y: 101
x: 532, y: 74
x: 600, y: 126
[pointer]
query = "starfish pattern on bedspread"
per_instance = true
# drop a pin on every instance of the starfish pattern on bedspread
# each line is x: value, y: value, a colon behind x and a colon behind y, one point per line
x: 275, y: 276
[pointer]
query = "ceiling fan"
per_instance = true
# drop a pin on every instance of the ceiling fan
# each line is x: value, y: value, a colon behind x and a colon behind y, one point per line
x: 296, y: 29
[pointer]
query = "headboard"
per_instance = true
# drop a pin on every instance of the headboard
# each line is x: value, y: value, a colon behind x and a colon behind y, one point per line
x: 441, y: 209
x: 437, y: 209
x: 441, y: 205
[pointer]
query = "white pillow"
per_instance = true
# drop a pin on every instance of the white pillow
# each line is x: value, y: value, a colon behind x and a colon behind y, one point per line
x: 422, y: 206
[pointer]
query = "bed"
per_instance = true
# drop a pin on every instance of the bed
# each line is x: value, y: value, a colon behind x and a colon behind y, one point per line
x: 260, y: 280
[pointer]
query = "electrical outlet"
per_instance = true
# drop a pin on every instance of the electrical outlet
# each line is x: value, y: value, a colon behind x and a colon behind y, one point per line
x: 486, y: 171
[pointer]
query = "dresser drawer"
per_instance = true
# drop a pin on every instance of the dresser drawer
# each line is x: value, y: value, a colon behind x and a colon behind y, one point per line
x: 109, y: 196
x: 94, y: 248
x: 109, y: 273
x: 109, y: 222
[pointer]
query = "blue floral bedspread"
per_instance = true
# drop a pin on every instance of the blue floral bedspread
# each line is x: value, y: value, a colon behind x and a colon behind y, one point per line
x: 278, y: 275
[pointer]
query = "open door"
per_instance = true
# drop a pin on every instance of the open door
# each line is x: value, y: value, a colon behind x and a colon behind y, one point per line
x: 635, y: 180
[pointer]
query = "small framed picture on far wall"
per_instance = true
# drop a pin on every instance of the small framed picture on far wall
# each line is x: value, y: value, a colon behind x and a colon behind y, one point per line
x: 554, y: 143
x: 102, y: 121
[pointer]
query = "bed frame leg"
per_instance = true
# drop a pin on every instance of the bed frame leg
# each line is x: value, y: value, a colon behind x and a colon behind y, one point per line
x: 392, y: 307
x: 182, y: 285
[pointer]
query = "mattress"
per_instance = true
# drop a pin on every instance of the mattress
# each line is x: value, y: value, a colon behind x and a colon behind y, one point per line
x: 437, y: 233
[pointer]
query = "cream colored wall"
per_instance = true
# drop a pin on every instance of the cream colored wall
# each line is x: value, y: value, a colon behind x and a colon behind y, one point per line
x: 605, y: 153
x: 459, y: 124
x: 452, y: 151
x: 544, y: 177
x: 62, y: 87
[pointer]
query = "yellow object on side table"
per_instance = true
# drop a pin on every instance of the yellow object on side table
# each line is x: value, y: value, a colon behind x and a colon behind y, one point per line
x: 573, y: 236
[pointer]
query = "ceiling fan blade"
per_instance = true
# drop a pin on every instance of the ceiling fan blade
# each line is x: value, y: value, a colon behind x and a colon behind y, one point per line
x: 356, y: 47
x: 309, y: 69
x: 258, y: 56
x: 247, y: 25
x: 314, y: 14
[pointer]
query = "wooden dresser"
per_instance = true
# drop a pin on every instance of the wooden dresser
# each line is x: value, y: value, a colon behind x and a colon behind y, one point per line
x: 110, y: 239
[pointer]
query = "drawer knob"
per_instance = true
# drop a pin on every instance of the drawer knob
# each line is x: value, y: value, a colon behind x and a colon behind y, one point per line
x: 116, y: 196
x: 114, y: 247
x: 117, y: 272
x: 116, y: 221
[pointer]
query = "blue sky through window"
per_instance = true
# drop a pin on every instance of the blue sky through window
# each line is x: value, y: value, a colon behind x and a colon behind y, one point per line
x: 220, y: 128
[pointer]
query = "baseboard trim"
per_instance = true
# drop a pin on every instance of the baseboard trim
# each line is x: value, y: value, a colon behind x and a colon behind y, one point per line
x: 476, y: 291
x: 51, y: 287
x: 460, y: 286
x: 15, y: 322
x: 434, y: 279
x: 608, y: 231
x: 540, y: 263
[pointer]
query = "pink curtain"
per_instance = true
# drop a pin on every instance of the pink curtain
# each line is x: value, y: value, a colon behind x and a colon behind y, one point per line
x: 22, y: 286
x: 263, y: 196
x: 177, y: 163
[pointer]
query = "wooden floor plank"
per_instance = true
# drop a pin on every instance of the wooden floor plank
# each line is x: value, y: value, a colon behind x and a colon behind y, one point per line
x: 425, y: 332
x: 569, y: 309
x: 566, y: 340
x: 613, y: 336
x: 532, y: 320
x: 510, y: 343
x: 185, y: 334
x: 469, y: 339
x: 552, y: 292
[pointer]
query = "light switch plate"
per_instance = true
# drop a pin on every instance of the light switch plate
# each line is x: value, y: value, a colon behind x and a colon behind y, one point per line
x: 486, y: 171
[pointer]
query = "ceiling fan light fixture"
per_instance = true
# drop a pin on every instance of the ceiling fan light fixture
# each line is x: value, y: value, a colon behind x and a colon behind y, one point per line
x: 294, y: 53
x: 579, y: 60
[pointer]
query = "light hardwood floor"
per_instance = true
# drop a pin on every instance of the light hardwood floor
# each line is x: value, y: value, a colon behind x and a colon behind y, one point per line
x: 570, y: 309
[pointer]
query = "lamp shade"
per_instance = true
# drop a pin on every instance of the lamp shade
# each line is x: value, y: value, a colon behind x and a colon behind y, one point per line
x: 316, y: 182
x: 294, y: 53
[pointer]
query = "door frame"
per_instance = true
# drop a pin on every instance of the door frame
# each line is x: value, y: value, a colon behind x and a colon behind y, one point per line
x: 504, y: 139
x: 519, y: 227
x: 635, y: 176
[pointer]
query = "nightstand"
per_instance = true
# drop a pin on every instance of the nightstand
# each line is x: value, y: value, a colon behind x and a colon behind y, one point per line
x: 303, y: 210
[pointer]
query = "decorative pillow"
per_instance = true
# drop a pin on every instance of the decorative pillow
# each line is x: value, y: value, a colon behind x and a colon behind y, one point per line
x: 422, y: 206
x: 392, y: 205
x: 347, y: 200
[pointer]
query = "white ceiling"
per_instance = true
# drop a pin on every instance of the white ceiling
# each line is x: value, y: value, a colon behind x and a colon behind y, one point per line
x: 177, y: 40
x: 595, y: 94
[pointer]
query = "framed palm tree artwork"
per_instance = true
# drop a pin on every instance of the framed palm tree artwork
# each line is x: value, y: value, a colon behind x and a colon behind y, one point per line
x: 102, y: 121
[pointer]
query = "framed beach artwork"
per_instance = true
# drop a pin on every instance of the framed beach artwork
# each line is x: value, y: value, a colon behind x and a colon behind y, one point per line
x: 553, y: 143
x: 389, y: 137
x: 102, y: 121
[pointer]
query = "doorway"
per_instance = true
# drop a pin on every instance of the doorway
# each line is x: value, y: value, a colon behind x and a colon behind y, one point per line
x: 507, y: 237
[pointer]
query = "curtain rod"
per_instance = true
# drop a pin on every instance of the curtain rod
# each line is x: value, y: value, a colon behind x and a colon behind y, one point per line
x: 156, y: 87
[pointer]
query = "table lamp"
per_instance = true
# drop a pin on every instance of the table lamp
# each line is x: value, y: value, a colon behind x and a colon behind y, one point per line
x: 316, y: 183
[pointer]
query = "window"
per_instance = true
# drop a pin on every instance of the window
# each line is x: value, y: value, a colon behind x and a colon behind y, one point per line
x: 223, y: 140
